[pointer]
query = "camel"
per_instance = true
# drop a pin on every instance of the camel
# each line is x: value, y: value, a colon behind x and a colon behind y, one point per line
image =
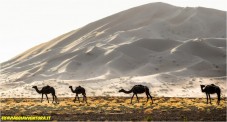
x: 79, y: 90
x: 211, y: 89
x: 47, y: 90
x: 138, y: 89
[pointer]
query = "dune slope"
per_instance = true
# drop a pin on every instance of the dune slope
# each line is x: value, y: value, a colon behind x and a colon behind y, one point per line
x: 154, y: 40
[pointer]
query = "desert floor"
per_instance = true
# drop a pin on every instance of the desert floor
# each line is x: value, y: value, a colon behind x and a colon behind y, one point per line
x: 118, y: 108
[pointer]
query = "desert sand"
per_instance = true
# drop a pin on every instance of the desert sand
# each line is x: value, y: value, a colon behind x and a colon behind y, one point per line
x: 170, y: 49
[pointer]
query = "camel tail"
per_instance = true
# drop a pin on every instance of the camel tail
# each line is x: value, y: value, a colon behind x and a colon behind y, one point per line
x: 147, y: 90
x: 56, y: 99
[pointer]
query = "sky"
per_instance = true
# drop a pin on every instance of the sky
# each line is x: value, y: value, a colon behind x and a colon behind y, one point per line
x: 27, y: 23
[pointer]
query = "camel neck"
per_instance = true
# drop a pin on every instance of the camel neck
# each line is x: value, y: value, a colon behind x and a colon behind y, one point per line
x: 72, y: 89
x: 127, y: 92
x: 37, y: 90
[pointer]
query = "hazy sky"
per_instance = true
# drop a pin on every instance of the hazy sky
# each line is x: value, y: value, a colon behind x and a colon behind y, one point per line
x: 26, y: 23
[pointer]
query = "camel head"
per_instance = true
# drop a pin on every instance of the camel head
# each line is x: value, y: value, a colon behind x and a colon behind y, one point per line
x: 122, y: 90
x: 35, y: 87
x: 202, y: 86
x: 70, y: 87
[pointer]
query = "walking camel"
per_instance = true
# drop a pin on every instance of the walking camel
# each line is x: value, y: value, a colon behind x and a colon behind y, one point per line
x: 79, y: 90
x: 211, y: 89
x: 47, y: 90
x: 138, y: 89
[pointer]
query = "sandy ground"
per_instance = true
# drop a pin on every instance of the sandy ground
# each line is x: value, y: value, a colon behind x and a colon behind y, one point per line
x: 119, y: 109
x: 166, y: 86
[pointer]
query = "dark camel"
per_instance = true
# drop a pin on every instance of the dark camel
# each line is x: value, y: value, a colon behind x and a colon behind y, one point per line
x: 47, y: 90
x: 211, y: 89
x: 79, y: 90
x: 138, y: 89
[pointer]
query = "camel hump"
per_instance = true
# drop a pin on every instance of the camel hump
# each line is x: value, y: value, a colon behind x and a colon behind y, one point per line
x: 139, y: 85
x: 79, y: 87
x: 47, y: 87
x: 142, y: 86
x: 212, y: 85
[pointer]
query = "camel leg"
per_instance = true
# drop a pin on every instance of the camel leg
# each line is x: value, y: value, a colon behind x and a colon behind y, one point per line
x: 53, y: 98
x: 218, y: 102
x: 56, y: 99
x: 137, y: 98
x: 147, y: 97
x: 78, y: 98
x: 47, y: 98
x: 210, y: 99
x: 42, y: 98
x: 85, y: 98
x: 132, y: 98
x: 207, y: 98
x: 75, y: 99
x: 151, y: 98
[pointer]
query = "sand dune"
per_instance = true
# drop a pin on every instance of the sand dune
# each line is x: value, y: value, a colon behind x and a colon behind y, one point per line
x: 155, y: 44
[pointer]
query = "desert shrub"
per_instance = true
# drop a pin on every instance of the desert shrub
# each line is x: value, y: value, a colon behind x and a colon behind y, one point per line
x: 148, y: 118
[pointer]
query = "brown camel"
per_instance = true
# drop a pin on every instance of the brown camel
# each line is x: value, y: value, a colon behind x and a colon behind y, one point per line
x: 47, y: 90
x: 211, y: 89
x: 138, y: 89
x: 79, y: 90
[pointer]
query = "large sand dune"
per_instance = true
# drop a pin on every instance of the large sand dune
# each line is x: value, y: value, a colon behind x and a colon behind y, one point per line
x: 170, y: 49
